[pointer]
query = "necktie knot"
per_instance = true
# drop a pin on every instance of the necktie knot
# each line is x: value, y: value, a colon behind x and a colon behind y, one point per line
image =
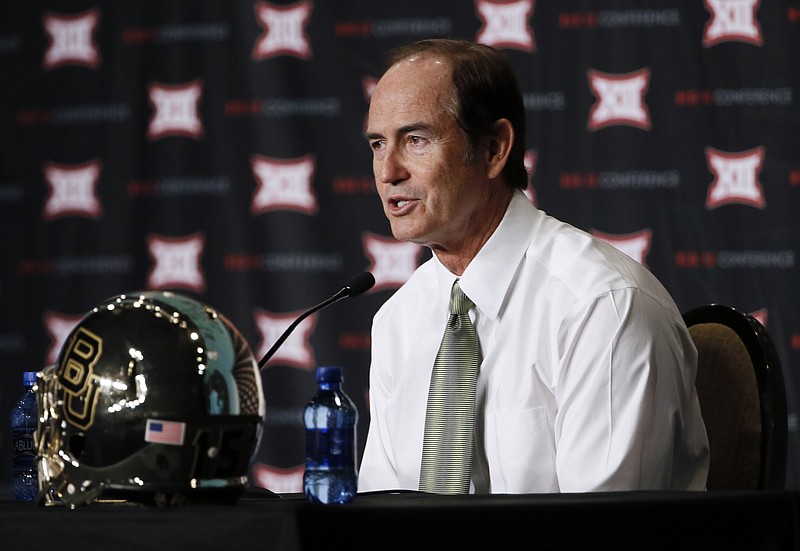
x: 459, y: 302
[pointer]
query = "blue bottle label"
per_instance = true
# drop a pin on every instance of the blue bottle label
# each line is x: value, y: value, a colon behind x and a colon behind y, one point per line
x: 23, y: 451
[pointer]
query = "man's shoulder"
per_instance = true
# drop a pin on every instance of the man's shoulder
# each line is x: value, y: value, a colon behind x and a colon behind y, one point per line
x: 586, y: 264
x: 412, y: 293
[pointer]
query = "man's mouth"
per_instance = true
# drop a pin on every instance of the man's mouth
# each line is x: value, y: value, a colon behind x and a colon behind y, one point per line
x: 401, y: 206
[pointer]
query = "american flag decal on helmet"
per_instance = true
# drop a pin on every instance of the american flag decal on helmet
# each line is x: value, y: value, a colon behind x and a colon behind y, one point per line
x: 164, y: 432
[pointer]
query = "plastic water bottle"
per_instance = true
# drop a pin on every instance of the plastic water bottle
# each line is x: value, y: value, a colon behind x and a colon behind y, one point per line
x: 330, y: 423
x: 24, y: 471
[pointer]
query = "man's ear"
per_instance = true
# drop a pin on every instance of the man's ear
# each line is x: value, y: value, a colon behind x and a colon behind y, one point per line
x: 501, y: 138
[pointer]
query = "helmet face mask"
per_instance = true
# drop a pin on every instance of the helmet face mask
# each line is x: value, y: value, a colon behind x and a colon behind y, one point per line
x: 155, y: 398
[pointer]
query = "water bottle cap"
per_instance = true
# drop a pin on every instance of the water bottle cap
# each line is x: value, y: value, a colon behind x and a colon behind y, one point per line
x: 329, y: 374
x: 29, y: 378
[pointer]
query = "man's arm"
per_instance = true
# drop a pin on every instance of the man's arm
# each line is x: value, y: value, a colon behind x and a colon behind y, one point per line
x: 626, y: 396
x: 376, y: 471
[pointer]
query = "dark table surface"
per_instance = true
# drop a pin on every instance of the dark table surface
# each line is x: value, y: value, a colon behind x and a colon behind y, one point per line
x: 411, y: 520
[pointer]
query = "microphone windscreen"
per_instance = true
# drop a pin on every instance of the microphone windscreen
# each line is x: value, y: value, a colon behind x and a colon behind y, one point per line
x: 361, y: 283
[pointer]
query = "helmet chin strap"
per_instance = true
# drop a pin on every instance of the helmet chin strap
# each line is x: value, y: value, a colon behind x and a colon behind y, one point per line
x: 71, y: 496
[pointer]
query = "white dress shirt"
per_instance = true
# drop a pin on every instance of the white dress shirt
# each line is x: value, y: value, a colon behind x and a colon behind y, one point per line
x: 587, y: 374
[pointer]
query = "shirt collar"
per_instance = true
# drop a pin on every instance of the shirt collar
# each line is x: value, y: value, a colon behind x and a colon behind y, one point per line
x: 488, y: 277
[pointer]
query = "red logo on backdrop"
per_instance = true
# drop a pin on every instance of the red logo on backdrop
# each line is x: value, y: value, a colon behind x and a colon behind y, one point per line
x: 392, y: 261
x: 761, y: 316
x: 58, y: 326
x: 735, y: 178
x: 296, y: 350
x: 732, y: 21
x: 530, y: 167
x: 506, y: 24
x: 280, y: 481
x: 284, y: 184
x: 284, y: 30
x: 73, y: 190
x: 71, y: 40
x: 175, y: 110
x: 176, y: 262
x: 636, y: 245
x: 368, y: 84
x: 620, y: 99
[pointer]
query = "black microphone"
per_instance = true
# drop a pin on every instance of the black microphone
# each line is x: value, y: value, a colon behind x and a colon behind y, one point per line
x: 355, y: 286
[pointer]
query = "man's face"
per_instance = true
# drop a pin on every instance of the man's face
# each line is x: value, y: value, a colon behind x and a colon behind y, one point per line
x: 428, y: 188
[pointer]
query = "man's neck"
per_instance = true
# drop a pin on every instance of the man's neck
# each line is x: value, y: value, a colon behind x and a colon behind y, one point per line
x: 456, y: 261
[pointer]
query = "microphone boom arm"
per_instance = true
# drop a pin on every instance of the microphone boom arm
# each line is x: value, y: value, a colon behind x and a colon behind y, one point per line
x: 337, y: 297
x: 355, y: 286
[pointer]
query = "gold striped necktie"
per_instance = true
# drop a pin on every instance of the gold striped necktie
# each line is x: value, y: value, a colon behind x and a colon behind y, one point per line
x: 450, y: 417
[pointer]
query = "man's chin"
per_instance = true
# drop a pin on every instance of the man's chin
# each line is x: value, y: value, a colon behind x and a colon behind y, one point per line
x: 405, y: 234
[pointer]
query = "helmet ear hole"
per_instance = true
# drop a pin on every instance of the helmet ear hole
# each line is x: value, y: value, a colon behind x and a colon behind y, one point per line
x: 77, y: 443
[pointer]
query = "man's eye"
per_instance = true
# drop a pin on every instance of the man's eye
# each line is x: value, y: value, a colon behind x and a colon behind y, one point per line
x: 416, y: 140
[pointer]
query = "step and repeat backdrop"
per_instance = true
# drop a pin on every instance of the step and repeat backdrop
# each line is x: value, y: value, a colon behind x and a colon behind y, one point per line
x: 216, y: 149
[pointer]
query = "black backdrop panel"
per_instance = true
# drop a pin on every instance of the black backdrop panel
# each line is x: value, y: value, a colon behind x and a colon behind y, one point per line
x: 215, y: 148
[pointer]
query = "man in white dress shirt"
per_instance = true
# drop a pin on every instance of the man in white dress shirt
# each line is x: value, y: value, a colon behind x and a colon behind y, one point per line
x: 586, y: 380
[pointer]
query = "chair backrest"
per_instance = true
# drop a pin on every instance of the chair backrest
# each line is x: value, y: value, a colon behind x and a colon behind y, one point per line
x: 742, y: 398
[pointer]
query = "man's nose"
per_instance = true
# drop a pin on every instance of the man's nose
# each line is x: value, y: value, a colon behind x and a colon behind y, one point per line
x: 393, y: 168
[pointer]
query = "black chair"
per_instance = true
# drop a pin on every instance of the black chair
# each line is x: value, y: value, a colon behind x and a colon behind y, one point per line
x: 742, y: 397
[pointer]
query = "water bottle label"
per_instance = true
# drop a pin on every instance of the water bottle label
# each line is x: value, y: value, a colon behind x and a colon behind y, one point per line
x: 23, y: 451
